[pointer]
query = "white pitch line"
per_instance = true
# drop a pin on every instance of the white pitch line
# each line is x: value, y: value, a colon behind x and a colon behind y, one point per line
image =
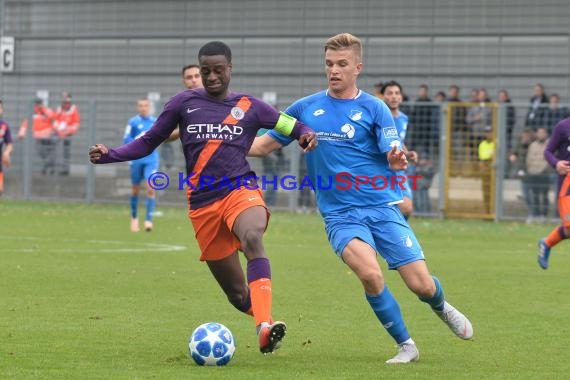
x: 137, y: 246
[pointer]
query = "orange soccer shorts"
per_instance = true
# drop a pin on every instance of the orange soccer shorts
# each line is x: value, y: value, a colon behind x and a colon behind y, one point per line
x: 1, y: 180
x: 564, y: 202
x: 213, y: 223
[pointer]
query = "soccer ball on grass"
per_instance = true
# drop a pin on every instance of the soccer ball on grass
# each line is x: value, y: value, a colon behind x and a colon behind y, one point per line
x: 212, y: 344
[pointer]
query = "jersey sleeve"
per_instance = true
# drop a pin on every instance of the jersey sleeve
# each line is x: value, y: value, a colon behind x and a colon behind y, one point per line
x: 385, y: 129
x: 281, y: 124
x: 293, y: 110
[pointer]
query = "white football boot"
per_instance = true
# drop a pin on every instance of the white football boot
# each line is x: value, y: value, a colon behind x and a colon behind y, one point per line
x: 407, y: 353
x: 456, y: 321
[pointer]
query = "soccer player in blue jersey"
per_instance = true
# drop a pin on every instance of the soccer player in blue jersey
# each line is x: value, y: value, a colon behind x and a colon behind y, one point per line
x: 226, y: 207
x: 557, y: 153
x: 143, y: 167
x: 357, y: 138
x: 392, y: 96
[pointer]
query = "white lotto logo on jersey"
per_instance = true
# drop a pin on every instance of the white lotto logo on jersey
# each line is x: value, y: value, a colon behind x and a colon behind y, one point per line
x: 395, y: 143
x: 237, y: 113
x: 355, y: 115
x: 348, y: 129
x: 319, y: 112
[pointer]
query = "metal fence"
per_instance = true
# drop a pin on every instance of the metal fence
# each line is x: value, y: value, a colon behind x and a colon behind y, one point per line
x: 455, y: 182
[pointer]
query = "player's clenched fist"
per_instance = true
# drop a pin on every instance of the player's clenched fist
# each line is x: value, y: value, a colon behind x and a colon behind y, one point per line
x: 308, y: 141
x: 96, y: 152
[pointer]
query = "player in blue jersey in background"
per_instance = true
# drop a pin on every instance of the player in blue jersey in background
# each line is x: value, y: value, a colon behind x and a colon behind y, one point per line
x: 357, y: 138
x: 392, y: 95
x: 142, y: 168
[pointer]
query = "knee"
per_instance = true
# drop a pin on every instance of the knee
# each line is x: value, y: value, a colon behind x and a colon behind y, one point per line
x: 251, y: 238
x: 372, y: 280
x: 424, y: 287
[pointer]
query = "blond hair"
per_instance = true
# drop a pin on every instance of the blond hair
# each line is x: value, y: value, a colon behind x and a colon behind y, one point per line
x: 345, y: 41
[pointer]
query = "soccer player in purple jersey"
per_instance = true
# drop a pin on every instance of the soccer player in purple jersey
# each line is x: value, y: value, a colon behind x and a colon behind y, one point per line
x: 557, y: 153
x: 5, y: 139
x: 226, y: 207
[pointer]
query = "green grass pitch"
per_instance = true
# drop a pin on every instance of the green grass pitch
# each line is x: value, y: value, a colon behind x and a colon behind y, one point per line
x: 83, y: 298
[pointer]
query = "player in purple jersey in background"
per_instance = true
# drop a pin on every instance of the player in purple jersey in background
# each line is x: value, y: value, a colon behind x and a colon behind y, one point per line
x: 5, y: 139
x: 557, y: 153
x: 217, y: 128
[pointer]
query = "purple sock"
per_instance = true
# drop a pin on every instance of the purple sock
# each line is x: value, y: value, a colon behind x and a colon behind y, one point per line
x: 258, y: 268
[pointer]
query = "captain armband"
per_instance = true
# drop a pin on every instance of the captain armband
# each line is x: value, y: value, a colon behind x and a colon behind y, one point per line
x: 285, y: 124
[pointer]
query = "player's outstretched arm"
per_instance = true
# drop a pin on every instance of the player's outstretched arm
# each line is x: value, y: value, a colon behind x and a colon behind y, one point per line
x: 262, y: 146
x: 397, y: 159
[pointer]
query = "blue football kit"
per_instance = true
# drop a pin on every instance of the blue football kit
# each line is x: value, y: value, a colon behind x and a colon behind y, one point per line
x: 356, y: 191
x: 143, y: 167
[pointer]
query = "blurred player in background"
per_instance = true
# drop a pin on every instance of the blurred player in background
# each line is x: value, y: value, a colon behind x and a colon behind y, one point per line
x: 217, y: 128
x: 66, y: 123
x: 5, y: 140
x: 557, y: 153
x: 142, y: 168
x: 357, y: 135
x: 392, y: 96
x: 191, y: 77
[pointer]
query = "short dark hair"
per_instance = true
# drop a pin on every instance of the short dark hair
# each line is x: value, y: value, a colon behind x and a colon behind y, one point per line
x: 216, y: 48
x: 390, y: 84
x: 192, y: 66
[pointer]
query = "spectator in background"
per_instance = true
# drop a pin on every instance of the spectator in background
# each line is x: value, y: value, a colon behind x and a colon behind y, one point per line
x: 517, y: 161
x: 44, y: 135
x: 486, y: 154
x: 440, y: 97
x: 424, y: 134
x: 453, y: 93
x: 458, y: 126
x: 510, y: 116
x: 5, y: 140
x: 478, y: 118
x: 538, y: 177
x: 554, y: 113
x: 537, y: 110
x: 66, y: 123
x: 425, y: 169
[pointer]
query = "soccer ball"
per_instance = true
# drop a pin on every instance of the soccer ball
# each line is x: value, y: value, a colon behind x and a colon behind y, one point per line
x: 212, y: 344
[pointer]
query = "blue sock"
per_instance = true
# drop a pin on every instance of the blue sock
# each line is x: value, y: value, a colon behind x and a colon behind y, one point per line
x: 438, y: 299
x: 134, y: 206
x: 150, y: 205
x: 388, y: 312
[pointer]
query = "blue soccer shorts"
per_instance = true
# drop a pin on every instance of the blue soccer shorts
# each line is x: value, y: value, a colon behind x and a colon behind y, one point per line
x: 142, y: 170
x: 383, y: 228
